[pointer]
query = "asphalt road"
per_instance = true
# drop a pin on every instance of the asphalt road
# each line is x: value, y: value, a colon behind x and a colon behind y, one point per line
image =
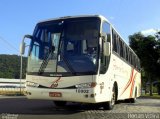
x: 22, y: 108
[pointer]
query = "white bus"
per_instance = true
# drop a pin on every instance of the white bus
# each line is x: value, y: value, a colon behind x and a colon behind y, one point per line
x: 81, y: 59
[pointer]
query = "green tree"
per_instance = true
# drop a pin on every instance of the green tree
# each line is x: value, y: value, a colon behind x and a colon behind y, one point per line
x: 146, y: 49
x: 10, y: 66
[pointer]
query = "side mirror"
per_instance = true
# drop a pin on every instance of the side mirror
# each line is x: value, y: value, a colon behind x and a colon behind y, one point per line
x: 107, y: 49
x: 106, y: 45
x: 104, y: 37
x: 23, y: 45
x: 22, y: 48
x: 28, y: 36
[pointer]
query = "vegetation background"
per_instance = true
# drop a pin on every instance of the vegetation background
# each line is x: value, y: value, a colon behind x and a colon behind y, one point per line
x: 148, y: 50
x: 10, y: 66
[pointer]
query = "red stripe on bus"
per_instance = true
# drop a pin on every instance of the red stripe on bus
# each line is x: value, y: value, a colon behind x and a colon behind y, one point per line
x: 133, y: 82
x: 56, y: 81
x: 129, y: 82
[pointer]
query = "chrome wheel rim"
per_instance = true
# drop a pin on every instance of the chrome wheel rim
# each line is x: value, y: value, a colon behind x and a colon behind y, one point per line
x: 113, y: 97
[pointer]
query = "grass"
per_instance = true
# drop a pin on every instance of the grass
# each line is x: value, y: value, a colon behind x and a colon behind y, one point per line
x: 11, y: 93
x: 155, y: 96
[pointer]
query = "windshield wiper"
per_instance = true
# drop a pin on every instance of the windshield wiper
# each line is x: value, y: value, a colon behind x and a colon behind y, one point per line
x: 68, y: 64
x: 45, y: 62
x: 65, y: 60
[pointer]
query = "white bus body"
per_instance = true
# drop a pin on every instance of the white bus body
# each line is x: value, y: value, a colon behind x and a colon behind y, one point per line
x: 119, y: 70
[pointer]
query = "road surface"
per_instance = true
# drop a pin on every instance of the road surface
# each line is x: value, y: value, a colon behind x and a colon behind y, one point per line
x: 22, y: 108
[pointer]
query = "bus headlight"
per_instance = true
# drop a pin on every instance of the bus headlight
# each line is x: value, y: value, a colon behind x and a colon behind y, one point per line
x: 32, y: 84
x: 86, y: 85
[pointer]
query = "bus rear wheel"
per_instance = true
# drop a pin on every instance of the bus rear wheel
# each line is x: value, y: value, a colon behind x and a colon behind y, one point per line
x: 110, y: 104
x: 132, y: 100
x: 60, y: 103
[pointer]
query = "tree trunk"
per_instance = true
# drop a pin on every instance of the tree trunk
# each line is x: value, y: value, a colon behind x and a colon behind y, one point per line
x: 145, y: 89
x: 158, y: 88
x: 150, y: 84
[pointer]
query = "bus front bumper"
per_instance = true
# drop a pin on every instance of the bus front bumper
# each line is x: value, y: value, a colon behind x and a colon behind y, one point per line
x: 73, y: 95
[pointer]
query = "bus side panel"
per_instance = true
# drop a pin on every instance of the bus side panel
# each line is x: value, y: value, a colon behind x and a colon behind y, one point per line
x: 103, y: 88
x: 127, y: 78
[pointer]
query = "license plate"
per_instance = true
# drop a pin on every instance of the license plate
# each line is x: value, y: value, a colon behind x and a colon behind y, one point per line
x: 55, y: 94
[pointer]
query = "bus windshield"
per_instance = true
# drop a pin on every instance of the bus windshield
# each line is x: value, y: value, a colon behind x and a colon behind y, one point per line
x: 68, y: 46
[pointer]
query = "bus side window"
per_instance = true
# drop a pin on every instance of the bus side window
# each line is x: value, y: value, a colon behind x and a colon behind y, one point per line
x: 121, y: 47
x: 126, y: 53
x: 114, y: 41
x: 129, y: 56
x: 117, y: 44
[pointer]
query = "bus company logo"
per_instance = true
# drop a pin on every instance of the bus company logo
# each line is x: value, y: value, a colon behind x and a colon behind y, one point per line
x: 55, y: 83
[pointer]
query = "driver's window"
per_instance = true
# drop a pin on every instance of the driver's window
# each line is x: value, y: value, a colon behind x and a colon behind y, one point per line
x: 106, y: 29
x: 105, y: 59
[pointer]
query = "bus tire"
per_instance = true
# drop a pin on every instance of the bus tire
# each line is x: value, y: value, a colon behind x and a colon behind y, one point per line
x: 110, y: 104
x: 60, y: 103
x: 130, y: 100
x: 133, y: 100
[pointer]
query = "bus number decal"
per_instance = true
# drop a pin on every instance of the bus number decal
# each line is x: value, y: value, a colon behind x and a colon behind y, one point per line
x: 82, y: 91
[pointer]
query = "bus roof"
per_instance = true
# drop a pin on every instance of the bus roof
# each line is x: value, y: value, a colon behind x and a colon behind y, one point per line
x: 78, y: 16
